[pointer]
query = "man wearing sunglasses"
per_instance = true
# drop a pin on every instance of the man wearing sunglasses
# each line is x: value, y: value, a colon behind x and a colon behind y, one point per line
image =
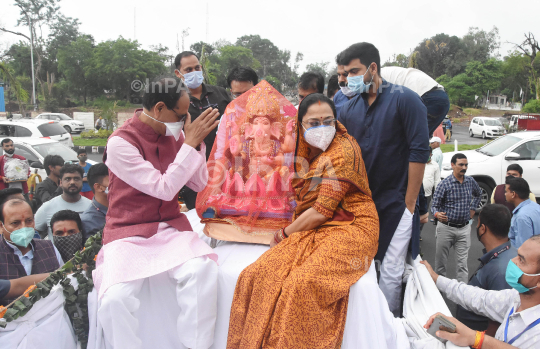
x: 146, y: 239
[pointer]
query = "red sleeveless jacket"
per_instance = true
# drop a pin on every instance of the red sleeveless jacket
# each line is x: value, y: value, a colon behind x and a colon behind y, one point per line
x: 132, y: 212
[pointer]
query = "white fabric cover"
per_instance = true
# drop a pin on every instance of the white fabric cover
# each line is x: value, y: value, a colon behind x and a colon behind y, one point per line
x: 369, y: 324
x: 45, y: 326
x: 422, y: 299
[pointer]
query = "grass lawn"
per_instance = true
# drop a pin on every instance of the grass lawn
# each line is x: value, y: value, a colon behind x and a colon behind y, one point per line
x: 450, y: 147
x: 78, y: 141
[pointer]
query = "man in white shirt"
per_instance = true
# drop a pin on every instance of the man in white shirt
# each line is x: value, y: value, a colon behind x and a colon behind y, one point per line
x: 432, y: 177
x: 517, y: 309
x: 436, y: 154
x: 71, y: 181
x: 432, y: 94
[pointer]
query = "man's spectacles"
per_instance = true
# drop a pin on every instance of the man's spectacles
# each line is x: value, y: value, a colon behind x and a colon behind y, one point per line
x: 180, y: 117
x: 316, y: 123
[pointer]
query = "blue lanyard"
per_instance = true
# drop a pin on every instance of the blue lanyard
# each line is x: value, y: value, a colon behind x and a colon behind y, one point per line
x: 519, y: 335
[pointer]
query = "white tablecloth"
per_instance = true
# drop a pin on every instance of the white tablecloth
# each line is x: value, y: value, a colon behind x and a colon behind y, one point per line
x: 369, y: 322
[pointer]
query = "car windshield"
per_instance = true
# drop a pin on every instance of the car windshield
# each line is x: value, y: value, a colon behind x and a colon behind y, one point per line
x: 51, y: 129
x: 56, y: 149
x: 61, y: 117
x: 499, y: 145
x: 492, y: 122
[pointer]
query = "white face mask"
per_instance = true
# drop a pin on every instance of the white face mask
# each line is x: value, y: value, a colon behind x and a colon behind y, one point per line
x: 320, y: 137
x: 173, y: 128
x: 347, y: 91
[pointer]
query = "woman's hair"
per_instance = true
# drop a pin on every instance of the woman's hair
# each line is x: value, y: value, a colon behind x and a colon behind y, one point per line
x: 312, y: 99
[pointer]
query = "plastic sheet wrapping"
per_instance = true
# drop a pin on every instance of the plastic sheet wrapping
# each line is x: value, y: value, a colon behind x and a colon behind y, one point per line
x: 16, y: 169
x: 249, y: 193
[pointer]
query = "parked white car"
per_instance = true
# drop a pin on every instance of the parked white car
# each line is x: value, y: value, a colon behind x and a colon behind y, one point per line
x: 487, y: 165
x: 35, y: 128
x: 34, y: 150
x: 68, y: 123
x: 486, y: 127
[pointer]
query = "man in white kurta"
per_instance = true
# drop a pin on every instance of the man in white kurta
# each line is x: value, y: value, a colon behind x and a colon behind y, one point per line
x: 149, y: 160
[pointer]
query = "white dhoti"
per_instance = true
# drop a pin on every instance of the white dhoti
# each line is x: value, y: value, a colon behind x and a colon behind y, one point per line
x: 145, y: 285
x: 196, y: 295
x: 393, y: 265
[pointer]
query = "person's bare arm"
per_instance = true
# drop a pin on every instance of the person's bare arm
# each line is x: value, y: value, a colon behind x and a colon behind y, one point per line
x: 309, y: 219
x: 18, y: 286
x: 416, y: 174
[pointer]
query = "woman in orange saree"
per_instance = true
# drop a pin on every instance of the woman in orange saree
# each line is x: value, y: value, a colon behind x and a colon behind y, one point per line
x: 296, y: 294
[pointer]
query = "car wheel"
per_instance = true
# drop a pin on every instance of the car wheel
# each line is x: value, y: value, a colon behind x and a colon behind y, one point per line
x: 471, y: 134
x: 483, y: 135
x: 68, y: 129
x: 485, y: 196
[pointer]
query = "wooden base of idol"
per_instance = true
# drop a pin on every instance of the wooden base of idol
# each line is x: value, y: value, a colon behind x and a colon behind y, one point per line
x: 228, y: 232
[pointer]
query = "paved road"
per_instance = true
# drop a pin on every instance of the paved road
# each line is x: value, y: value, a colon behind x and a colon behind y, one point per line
x: 461, y: 133
x: 427, y: 248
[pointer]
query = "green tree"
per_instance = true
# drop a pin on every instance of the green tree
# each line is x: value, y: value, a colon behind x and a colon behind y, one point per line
x: 274, y: 62
x: 74, y: 62
x: 229, y: 57
x: 459, y: 89
x: 399, y: 60
x: 515, y: 74
x: 320, y: 67
x: 531, y: 49
x: 484, y: 76
x: 197, y: 48
x: 15, y: 86
x: 533, y: 106
x: 116, y: 64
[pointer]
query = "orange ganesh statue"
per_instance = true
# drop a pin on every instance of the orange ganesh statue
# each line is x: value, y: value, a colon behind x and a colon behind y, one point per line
x: 249, y: 192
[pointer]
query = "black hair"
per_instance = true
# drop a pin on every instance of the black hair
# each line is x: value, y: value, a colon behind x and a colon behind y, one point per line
x: 163, y: 89
x: 81, y: 151
x: 312, y: 81
x: 497, y: 218
x: 519, y: 186
x: 515, y: 167
x: 52, y: 160
x: 181, y: 55
x: 96, y: 173
x: 11, y: 202
x: 71, y: 168
x: 66, y: 215
x: 333, y: 86
x: 5, y: 141
x: 4, y: 193
x: 457, y: 156
x: 367, y: 53
x: 243, y: 74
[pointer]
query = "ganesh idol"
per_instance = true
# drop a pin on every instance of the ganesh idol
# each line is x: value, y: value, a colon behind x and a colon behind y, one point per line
x: 249, y: 190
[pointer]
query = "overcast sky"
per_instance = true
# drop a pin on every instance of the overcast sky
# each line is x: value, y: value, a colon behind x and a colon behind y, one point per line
x: 318, y: 29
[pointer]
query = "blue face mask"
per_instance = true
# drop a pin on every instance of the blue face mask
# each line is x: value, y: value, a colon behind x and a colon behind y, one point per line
x: 193, y: 79
x: 357, y: 85
x: 513, y: 273
x: 21, y: 237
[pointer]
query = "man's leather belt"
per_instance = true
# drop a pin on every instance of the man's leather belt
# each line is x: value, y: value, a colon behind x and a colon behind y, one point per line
x: 455, y: 225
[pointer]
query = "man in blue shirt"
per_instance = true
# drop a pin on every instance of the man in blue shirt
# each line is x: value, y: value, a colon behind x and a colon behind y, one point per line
x: 492, y: 232
x: 390, y: 124
x: 454, y: 204
x: 526, y: 218
x: 86, y: 191
x: 93, y: 219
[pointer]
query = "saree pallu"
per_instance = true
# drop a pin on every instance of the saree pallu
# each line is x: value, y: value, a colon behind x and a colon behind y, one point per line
x: 296, y: 294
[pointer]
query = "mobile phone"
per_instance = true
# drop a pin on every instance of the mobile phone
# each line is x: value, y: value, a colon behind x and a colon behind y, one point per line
x: 440, y: 323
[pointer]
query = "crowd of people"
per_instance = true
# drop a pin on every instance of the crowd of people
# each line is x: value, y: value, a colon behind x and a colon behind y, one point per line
x: 371, y: 177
